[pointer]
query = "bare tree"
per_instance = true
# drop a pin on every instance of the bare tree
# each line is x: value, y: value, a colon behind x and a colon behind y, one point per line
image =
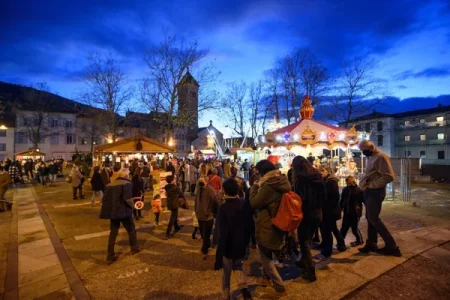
x: 168, y: 63
x: 107, y: 88
x: 357, y: 89
x: 92, y: 126
x: 38, y: 122
x: 272, y: 83
x: 255, y: 106
x: 236, y: 107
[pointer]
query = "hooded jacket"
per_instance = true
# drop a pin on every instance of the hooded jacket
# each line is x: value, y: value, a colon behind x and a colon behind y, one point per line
x: 206, y: 203
x: 173, y: 194
x: 311, y: 189
x: 331, y: 204
x: 266, y: 199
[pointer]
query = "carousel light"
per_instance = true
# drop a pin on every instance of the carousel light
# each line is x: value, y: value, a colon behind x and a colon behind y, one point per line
x: 3, y: 127
x: 323, y: 136
x: 263, y: 139
x: 279, y: 138
x: 296, y: 137
x: 341, y: 136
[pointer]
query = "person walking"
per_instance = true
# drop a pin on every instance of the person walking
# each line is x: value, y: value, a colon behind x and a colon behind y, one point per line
x: 173, y: 194
x: 5, y: 180
x: 377, y: 175
x: 352, y: 198
x: 117, y: 207
x: 245, y: 167
x: 97, y: 185
x: 233, y: 232
x: 146, y: 176
x: 214, y: 180
x: 265, y: 197
x: 157, y: 207
x: 331, y: 212
x: 193, y: 174
x: 137, y: 191
x: 106, y: 175
x: 13, y: 172
x: 227, y: 169
x: 77, y: 184
x: 43, y: 174
x: 307, y: 182
x: 53, y: 172
x: 205, y: 211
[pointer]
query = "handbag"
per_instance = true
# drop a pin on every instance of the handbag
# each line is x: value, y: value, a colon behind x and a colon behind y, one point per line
x: 69, y: 179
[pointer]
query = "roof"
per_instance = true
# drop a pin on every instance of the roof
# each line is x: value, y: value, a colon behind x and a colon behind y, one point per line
x: 30, y: 153
x: 305, y: 122
x: 411, y: 113
x: 207, y: 152
x: 129, y: 145
x: 188, y: 79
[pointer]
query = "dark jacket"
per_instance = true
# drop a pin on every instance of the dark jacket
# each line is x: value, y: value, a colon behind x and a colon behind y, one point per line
x: 137, y: 186
x: 331, y: 205
x: 311, y: 189
x: 145, y: 171
x: 266, y: 199
x: 105, y: 177
x: 171, y: 168
x: 206, y: 203
x: 219, y: 171
x: 97, y: 182
x: 53, y: 168
x: 114, y: 205
x: 232, y: 229
x: 352, y: 198
x: 173, y: 194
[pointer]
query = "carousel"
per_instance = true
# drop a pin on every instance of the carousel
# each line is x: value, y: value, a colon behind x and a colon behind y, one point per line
x: 321, y: 143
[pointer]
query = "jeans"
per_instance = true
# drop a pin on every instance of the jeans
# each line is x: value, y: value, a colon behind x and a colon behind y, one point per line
x: 44, y: 180
x: 173, y: 221
x: 96, y: 194
x: 205, y: 229
x: 351, y: 220
x: 269, y: 268
x: 192, y: 188
x: 52, y: 178
x: 235, y: 266
x: 157, y: 217
x: 373, y: 199
x: 327, y: 229
x: 114, y: 230
x: 305, y: 233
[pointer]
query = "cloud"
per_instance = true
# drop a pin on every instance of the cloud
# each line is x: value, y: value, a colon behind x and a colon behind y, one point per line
x: 402, y: 87
x: 425, y: 73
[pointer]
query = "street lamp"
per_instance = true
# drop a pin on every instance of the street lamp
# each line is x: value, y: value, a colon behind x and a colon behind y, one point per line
x: 3, y: 127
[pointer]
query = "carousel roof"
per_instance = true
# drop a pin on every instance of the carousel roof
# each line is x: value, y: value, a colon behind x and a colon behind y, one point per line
x: 136, y: 144
x: 310, y: 132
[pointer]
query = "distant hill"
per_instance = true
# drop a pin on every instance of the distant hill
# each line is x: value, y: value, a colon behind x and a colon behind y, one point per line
x: 27, y: 98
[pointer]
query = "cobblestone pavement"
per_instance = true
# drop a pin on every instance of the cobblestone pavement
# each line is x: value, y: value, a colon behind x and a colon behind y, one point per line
x: 62, y: 250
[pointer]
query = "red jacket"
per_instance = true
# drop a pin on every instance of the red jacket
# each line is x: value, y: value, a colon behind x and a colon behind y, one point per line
x: 215, y: 182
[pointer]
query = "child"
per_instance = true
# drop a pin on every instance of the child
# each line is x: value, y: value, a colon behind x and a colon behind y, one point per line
x: 232, y: 238
x: 157, y: 207
x: 351, y: 203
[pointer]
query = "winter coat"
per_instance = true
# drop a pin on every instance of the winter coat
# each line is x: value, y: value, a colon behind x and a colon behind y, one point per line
x: 215, y: 182
x: 97, y: 182
x: 266, y: 199
x: 105, y: 177
x: 331, y: 205
x: 205, y: 203
x: 193, y: 174
x: 76, y: 177
x: 173, y: 193
x: 171, y: 168
x: 137, y: 186
x: 53, y: 169
x: 114, y: 205
x: 157, y: 206
x: 227, y: 170
x: 145, y: 171
x: 233, y: 230
x: 311, y: 189
x: 352, y: 198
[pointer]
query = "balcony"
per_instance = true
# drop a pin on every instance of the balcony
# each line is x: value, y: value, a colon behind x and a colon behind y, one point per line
x: 422, y: 143
x: 422, y: 125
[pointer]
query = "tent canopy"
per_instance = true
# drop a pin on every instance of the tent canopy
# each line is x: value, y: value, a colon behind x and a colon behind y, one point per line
x: 207, y: 152
x: 136, y: 144
x: 32, y: 152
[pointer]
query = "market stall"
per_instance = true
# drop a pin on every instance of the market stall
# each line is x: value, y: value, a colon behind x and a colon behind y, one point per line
x: 30, y: 154
x: 323, y: 143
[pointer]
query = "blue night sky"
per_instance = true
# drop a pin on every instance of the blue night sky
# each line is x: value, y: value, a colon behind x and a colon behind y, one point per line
x: 49, y: 40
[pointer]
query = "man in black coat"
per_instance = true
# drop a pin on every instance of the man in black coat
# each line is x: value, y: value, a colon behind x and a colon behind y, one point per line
x: 117, y: 207
x: 233, y: 233
x: 173, y: 194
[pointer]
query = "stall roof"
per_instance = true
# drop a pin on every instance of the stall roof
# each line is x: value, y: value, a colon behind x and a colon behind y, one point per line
x: 235, y: 150
x: 30, y: 153
x: 207, y: 152
x: 130, y: 145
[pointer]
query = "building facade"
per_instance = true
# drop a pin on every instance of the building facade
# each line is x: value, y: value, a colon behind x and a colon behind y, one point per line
x: 417, y: 134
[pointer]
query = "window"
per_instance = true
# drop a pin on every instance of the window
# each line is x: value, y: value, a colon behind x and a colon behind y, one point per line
x: 53, y: 123
x: 407, y: 123
x: 69, y: 123
x: 22, y: 138
x: 440, y: 119
x: 25, y: 122
x: 69, y: 139
x: 441, y: 154
x: 422, y: 121
x: 423, y: 137
x: 2, y: 147
x: 368, y: 126
x: 441, y: 136
x: 380, y: 140
x: 380, y: 126
x: 408, y: 153
x: 54, y: 139
x: 422, y: 154
x: 82, y: 141
x: 407, y: 138
x: 3, y: 132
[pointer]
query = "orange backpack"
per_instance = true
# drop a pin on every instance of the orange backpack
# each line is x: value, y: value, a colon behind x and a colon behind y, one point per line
x: 289, y: 214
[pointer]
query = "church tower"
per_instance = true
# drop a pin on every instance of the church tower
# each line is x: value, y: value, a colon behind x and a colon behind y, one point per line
x: 188, y: 102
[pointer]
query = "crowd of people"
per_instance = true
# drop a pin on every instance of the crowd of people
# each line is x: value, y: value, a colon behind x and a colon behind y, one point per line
x: 238, y: 213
